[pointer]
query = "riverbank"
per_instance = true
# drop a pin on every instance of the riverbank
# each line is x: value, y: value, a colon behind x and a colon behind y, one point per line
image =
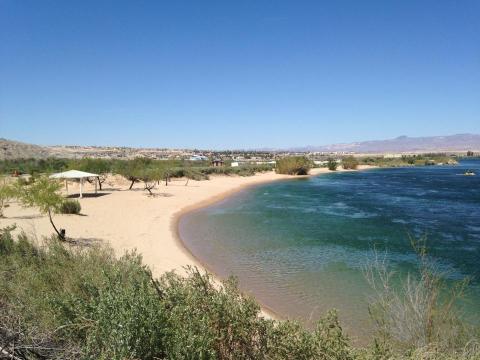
x: 300, y: 247
x: 130, y: 220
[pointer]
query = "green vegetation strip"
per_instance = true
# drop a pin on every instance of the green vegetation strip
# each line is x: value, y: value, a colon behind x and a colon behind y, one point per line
x: 63, y: 301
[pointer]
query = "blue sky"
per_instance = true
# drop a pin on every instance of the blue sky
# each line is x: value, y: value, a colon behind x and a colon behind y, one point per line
x: 237, y: 74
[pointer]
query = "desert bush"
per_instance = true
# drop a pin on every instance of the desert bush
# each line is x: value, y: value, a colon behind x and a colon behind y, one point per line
x: 245, y: 170
x: 194, y: 174
x: 408, y: 160
x: 64, y: 302
x: 294, y: 165
x: 332, y: 165
x: 7, y: 193
x: 58, y: 301
x: 197, y: 175
x: 70, y: 207
x: 423, y: 313
x: 349, y: 163
x: 79, y: 300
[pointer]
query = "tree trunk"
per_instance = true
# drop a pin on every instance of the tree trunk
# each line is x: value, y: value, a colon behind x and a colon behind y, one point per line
x: 131, y: 185
x: 149, y: 187
x: 60, y: 236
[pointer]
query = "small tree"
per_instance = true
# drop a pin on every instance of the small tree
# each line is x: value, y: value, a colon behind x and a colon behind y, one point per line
x: 44, y: 195
x: 150, y: 177
x: 7, y: 193
x: 187, y: 171
x: 294, y: 165
x: 332, y: 165
x: 349, y: 162
x: 193, y: 174
x: 132, y: 170
x: 166, y: 175
x: 97, y: 166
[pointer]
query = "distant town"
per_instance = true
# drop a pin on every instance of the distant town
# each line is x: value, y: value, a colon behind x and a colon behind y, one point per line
x: 454, y: 145
x: 241, y: 156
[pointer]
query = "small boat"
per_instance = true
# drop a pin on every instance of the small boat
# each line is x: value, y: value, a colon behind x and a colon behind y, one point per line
x: 469, y: 173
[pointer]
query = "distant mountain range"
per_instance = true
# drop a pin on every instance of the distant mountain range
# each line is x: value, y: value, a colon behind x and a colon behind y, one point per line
x: 403, y: 144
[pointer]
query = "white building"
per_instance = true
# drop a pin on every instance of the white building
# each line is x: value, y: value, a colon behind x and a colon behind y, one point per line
x: 198, y: 158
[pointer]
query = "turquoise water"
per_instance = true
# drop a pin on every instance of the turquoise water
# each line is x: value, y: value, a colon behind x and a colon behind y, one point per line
x: 300, y: 245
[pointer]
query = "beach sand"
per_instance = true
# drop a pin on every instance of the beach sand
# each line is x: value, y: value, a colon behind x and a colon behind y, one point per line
x: 129, y: 219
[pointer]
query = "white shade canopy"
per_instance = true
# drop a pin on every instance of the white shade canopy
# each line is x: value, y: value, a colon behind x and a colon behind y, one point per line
x: 73, y: 174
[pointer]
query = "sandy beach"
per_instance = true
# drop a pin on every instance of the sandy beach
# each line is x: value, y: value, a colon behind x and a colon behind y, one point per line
x: 129, y: 219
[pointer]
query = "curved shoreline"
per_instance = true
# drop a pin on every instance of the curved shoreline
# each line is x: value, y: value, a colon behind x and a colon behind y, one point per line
x: 129, y: 220
x: 266, y: 311
x: 175, y: 223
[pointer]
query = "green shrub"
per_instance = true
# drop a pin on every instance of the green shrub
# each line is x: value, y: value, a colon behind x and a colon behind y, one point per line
x: 62, y: 302
x: 349, y: 163
x: 409, y: 160
x: 245, y: 170
x: 85, y: 303
x: 81, y: 302
x: 332, y: 165
x: 70, y: 207
x: 7, y: 193
x: 196, y: 175
x: 294, y: 165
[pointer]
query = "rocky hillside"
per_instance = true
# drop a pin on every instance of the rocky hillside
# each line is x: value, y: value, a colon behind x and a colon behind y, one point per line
x: 14, y: 149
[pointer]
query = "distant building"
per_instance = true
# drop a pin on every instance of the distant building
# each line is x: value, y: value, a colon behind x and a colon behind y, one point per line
x: 392, y: 156
x: 217, y: 162
x: 234, y: 164
x: 198, y: 158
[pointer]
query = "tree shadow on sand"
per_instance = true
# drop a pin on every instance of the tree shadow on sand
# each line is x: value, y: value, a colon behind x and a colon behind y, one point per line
x: 156, y: 195
x: 25, y: 217
x: 88, y: 195
x: 84, y: 242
